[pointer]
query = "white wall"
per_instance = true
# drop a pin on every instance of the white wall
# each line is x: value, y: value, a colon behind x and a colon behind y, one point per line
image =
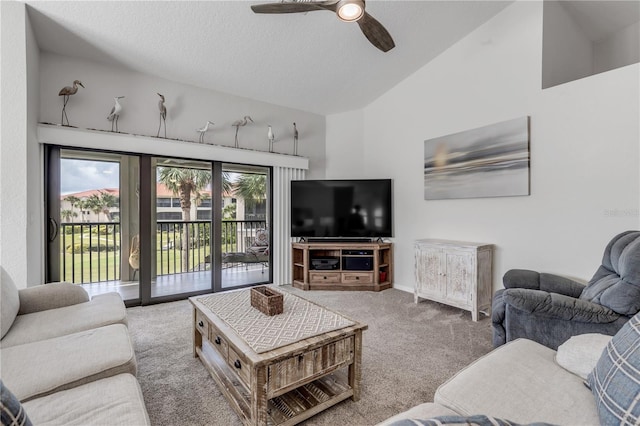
x: 344, y: 145
x: 584, y: 151
x: 20, y: 193
x: 188, y: 108
x: 34, y: 170
x: 567, y: 51
x: 620, y: 49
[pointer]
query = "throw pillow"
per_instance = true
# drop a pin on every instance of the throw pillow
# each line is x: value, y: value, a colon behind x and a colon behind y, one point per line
x: 580, y: 354
x: 9, y: 305
x: 262, y: 237
x: 615, y: 381
x: 11, y: 411
x: 476, y: 420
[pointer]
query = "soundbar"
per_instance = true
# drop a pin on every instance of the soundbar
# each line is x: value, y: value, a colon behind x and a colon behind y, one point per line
x: 338, y: 240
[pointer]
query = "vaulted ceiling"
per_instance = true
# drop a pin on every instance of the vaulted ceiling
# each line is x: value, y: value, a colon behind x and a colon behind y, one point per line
x: 309, y: 61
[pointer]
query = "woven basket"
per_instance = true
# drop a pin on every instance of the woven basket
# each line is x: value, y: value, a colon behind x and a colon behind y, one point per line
x: 267, y: 301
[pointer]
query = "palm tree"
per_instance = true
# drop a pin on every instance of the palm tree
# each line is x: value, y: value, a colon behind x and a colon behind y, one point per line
x: 94, y: 204
x: 68, y: 215
x: 182, y: 182
x: 73, y: 201
x: 252, y: 188
x: 106, y: 202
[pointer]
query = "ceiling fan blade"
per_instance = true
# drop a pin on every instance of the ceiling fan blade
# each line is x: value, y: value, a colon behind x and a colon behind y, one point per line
x: 376, y: 33
x: 288, y: 7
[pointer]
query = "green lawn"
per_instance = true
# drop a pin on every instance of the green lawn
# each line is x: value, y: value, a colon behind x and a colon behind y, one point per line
x: 83, y: 266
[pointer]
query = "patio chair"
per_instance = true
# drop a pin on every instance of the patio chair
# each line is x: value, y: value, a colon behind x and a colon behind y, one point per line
x: 134, y: 255
x: 257, y: 252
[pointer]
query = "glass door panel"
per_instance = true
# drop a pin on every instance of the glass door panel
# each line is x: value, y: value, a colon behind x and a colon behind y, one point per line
x: 181, y: 227
x: 245, y: 238
x: 94, y: 212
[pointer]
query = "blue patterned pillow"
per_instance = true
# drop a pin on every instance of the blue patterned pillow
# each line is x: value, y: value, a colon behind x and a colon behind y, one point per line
x: 476, y: 420
x: 615, y: 381
x: 11, y: 411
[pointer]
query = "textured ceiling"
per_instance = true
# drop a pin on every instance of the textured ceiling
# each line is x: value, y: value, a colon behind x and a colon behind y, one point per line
x: 312, y: 61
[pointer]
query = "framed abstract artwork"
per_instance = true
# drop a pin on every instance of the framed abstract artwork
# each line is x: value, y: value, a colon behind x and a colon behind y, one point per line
x: 490, y: 161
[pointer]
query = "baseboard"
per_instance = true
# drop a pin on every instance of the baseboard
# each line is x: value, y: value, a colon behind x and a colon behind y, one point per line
x: 403, y: 288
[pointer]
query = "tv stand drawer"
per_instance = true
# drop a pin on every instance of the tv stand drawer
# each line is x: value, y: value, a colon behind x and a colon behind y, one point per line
x: 324, y: 277
x: 357, y: 277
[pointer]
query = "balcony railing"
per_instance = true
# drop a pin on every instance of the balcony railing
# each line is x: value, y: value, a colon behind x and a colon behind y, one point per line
x: 91, y: 251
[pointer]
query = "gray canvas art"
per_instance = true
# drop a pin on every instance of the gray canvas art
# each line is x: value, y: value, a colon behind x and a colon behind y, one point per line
x: 490, y: 161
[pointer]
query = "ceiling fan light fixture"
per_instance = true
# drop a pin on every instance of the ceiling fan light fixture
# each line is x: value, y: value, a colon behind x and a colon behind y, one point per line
x: 350, y: 10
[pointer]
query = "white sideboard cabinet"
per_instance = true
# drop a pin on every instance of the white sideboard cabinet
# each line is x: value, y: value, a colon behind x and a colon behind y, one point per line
x: 455, y: 273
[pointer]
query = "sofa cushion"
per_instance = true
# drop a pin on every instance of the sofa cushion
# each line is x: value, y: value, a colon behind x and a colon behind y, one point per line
x: 616, y: 379
x: 43, y: 367
x: 422, y: 411
x: 115, y: 400
x: 616, y: 284
x: 580, y: 354
x: 9, y: 304
x: 519, y: 381
x: 102, y: 310
x: 12, y: 413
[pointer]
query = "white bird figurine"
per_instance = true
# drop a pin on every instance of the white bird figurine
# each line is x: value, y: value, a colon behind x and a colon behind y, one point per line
x: 65, y: 92
x: 163, y: 116
x: 271, y: 138
x: 239, y: 123
x: 204, y: 130
x: 114, y: 115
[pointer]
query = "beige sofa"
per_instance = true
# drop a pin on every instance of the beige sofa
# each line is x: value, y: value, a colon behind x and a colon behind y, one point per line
x: 522, y: 382
x: 68, y: 358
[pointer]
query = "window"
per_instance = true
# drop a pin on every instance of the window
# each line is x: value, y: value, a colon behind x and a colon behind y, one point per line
x: 163, y: 202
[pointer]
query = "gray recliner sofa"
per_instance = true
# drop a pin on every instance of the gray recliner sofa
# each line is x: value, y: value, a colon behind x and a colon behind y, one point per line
x: 549, y: 309
x: 67, y: 358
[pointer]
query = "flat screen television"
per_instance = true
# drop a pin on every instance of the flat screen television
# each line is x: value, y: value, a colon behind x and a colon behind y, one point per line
x: 341, y: 208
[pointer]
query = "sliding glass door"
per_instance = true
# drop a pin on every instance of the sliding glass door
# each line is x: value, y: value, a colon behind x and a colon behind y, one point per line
x: 91, y: 219
x: 181, y: 230
x: 245, y: 233
x: 156, y: 228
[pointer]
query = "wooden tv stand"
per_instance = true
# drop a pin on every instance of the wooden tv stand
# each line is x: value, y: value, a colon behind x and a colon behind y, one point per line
x: 342, y: 266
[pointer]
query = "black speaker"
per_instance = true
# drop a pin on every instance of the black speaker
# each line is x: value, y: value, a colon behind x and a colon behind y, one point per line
x: 357, y: 263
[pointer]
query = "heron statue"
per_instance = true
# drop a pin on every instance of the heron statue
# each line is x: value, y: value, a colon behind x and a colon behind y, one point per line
x: 114, y: 115
x: 240, y: 123
x: 204, y: 130
x: 271, y: 138
x: 65, y: 93
x: 163, y: 116
x: 295, y: 139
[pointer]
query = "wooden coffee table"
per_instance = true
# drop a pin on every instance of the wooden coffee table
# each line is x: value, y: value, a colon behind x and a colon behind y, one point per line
x: 285, y: 385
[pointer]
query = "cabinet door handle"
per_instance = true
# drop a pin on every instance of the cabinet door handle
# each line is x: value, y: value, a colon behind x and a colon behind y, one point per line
x: 324, y: 278
x: 217, y: 341
x: 237, y: 364
x: 201, y: 324
x: 357, y: 278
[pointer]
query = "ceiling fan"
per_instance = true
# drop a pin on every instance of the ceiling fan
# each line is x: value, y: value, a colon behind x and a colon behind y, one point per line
x: 346, y: 10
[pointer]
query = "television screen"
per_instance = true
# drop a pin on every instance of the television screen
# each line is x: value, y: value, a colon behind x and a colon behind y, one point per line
x: 341, y: 208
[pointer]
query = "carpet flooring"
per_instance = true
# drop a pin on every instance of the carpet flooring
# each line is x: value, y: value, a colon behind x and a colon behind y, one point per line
x: 408, y: 351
